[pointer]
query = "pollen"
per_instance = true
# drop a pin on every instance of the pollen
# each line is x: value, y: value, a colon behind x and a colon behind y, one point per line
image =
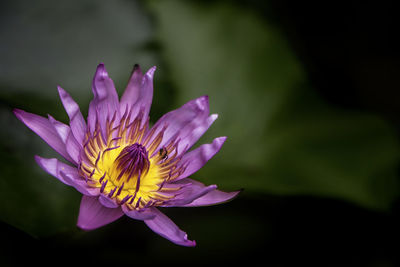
x: 125, y: 162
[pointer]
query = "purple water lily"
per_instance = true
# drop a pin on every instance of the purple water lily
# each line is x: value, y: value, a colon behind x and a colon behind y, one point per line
x: 120, y: 164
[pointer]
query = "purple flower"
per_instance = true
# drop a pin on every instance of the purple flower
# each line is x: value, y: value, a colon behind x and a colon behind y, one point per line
x: 120, y: 164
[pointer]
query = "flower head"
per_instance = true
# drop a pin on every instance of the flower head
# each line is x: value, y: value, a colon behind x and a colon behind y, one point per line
x: 120, y: 164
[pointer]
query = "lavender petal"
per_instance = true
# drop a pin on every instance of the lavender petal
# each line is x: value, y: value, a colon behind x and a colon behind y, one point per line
x: 54, y: 166
x: 191, y: 117
x: 65, y: 133
x: 77, y: 122
x: 197, y: 158
x: 192, y: 132
x: 62, y: 129
x: 107, y: 202
x: 190, y: 191
x: 105, y: 101
x: 93, y: 215
x: 144, y: 95
x: 76, y: 181
x: 73, y: 148
x: 166, y: 228
x: 146, y: 214
x: 45, y: 129
x: 134, y: 91
x: 212, y: 198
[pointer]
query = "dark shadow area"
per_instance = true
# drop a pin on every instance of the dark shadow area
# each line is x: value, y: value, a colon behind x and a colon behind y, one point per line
x: 296, y: 231
x: 350, y: 49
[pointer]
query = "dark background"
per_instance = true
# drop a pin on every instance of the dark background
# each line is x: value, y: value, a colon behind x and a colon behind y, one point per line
x: 325, y: 194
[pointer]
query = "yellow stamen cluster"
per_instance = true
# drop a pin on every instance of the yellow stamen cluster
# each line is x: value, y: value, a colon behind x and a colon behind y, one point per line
x: 108, y: 164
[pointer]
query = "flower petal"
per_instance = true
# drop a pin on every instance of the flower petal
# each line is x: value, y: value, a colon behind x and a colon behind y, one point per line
x: 133, y: 90
x: 76, y: 181
x: 166, y: 228
x: 66, y: 174
x: 45, y: 129
x: 146, y: 214
x: 54, y: 166
x: 196, y: 158
x: 93, y: 215
x: 191, y: 133
x: 182, y: 121
x: 212, y: 198
x: 73, y: 147
x: 107, y: 202
x: 146, y: 95
x: 62, y: 129
x: 138, y: 94
x: 190, y: 191
x: 77, y: 122
x: 65, y: 133
x: 105, y: 101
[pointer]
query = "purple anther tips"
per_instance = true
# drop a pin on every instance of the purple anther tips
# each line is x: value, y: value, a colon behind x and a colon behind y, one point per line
x: 125, y: 199
x: 102, y: 177
x: 103, y: 185
x: 133, y: 160
x: 120, y: 189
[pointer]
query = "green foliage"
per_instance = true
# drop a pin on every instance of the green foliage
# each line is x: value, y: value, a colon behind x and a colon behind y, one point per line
x: 282, y: 137
x: 48, y: 44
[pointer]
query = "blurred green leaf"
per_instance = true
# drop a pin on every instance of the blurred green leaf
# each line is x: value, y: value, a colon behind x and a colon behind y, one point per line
x: 47, y: 44
x: 31, y: 199
x: 282, y: 138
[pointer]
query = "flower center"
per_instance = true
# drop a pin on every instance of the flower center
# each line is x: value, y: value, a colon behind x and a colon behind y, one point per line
x: 127, y: 165
x: 133, y: 161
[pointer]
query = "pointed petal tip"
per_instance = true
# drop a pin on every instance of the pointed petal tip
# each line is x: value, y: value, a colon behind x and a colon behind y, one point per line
x: 166, y: 228
x: 150, y: 72
x: 229, y: 196
x: 51, y: 118
x: 185, y: 242
x: 22, y: 115
x: 85, y: 227
x: 101, y: 71
x: 17, y: 112
x: 38, y: 159
x: 188, y: 243
x: 220, y: 139
x: 61, y: 91
x: 201, y: 103
x: 136, y: 72
x: 236, y: 193
x: 203, y: 98
x: 214, y: 116
x: 136, y: 67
